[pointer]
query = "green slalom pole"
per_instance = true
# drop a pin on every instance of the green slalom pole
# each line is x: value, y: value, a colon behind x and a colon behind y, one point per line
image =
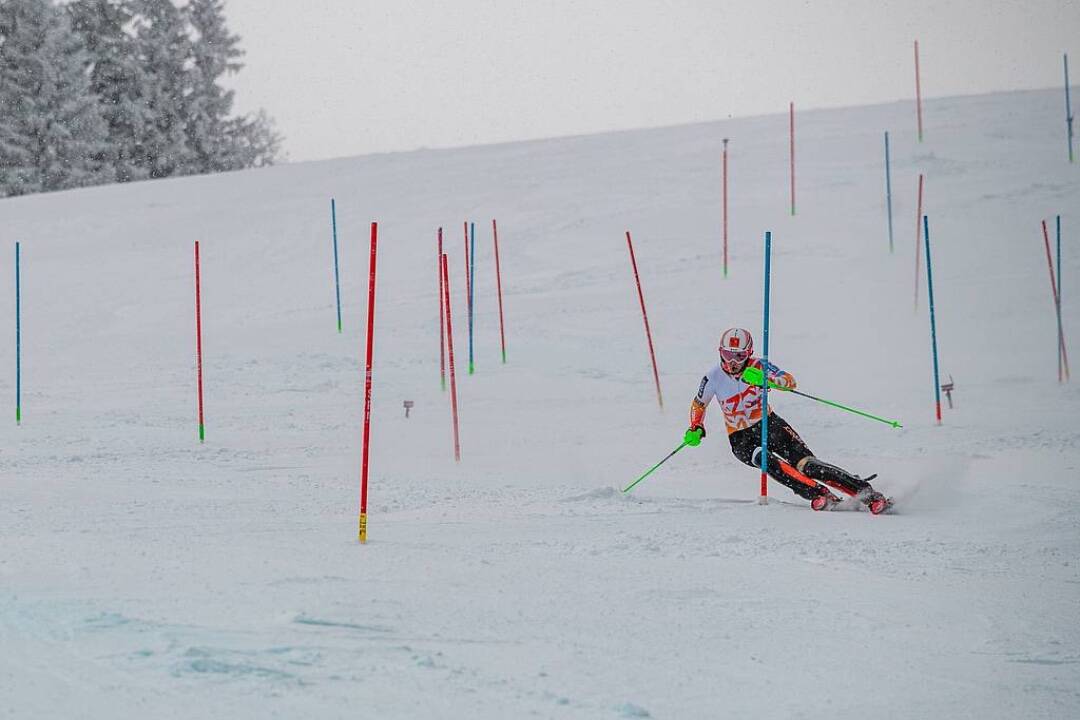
x: 629, y: 487
x: 753, y: 376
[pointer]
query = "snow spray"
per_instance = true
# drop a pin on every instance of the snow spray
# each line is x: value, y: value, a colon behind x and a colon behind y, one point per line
x: 918, y: 91
x: 498, y: 287
x: 472, y: 289
x: 763, y: 499
x: 337, y: 283
x: 442, y: 322
x: 450, y: 350
x: 1068, y: 110
x: 933, y: 324
x: 725, y: 207
x: 198, y: 342
x: 791, y: 138
x: 645, y: 317
x: 18, y: 341
x: 918, y: 227
x: 888, y: 190
x: 367, y: 385
x: 1062, y: 356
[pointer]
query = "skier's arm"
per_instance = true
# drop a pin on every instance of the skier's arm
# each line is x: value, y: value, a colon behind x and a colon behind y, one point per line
x: 782, y: 378
x: 697, y: 414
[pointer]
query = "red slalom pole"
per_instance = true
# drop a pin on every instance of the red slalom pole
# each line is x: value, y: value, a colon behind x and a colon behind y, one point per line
x: 498, y: 285
x: 791, y: 126
x: 198, y: 342
x: 645, y: 316
x: 450, y: 347
x: 1063, y: 356
x: 918, y: 241
x: 367, y: 385
x: 442, y: 327
x: 918, y: 91
x: 725, y: 207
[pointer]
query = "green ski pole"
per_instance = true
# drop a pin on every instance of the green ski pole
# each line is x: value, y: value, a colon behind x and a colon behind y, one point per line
x: 754, y: 376
x: 650, y: 470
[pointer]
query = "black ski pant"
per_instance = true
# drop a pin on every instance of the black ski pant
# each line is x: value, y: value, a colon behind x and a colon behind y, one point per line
x: 786, y: 445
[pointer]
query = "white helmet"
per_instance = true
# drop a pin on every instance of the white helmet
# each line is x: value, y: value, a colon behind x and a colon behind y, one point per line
x: 736, y: 346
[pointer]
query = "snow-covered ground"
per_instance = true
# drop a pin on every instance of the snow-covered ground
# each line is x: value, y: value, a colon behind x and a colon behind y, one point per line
x: 143, y: 575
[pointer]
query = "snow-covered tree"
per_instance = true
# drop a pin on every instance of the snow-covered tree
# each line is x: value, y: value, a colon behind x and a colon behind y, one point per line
x: 116, y: 79
x: 216, y: 140
x: 162, y: 48
x: 52, y: 134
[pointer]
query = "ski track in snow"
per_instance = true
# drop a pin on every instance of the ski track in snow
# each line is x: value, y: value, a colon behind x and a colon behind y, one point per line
x: 144, y: 575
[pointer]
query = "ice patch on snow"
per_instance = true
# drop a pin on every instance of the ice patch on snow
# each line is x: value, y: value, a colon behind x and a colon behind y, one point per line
x: 633, y: 711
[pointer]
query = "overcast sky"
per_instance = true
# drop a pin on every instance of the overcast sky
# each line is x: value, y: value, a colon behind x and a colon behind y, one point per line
x: 346, y: 77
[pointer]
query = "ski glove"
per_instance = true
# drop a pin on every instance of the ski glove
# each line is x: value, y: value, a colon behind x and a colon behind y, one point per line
x: 754, y: 376
x: 693, y: 436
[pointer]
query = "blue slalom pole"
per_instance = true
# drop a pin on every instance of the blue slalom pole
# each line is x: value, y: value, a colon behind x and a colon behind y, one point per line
x: 18, y: 341
x: 1068, y: 110
x: 933, y: 324
x: 888, y: 189
x: 763, y: 499
x: 1061, y: 331
x: 337, y: 283
x: 472, y: 288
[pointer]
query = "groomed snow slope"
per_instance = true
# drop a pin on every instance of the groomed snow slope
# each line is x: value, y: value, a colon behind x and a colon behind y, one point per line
x: 145, y: 575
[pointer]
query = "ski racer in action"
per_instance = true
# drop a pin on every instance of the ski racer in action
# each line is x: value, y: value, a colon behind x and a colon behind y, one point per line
x: 790, y: 461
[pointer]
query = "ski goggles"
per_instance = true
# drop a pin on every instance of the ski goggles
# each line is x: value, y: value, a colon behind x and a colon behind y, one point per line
x: 734, y: 356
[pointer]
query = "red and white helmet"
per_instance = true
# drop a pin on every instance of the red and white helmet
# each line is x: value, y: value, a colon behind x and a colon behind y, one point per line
x: 736, y: 346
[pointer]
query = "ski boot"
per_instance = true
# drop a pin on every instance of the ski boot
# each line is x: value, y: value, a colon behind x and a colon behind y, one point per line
x: 877, y: 503
x: 825, y: 500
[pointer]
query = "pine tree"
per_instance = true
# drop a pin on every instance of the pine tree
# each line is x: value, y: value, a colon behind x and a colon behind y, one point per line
x: 116, y: 79
x: 162, y: 48
x: 217, y: 141
x: 52, y: 135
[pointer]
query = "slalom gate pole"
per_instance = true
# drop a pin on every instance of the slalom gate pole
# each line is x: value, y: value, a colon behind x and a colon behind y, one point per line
x: 18, y: 341
x: 918, y: 230
x: 468, y: 284
x: 645, y: 317
x: 933, y: 323
x: 888, y: 190
x: 1062, y: 356
x: 725, y: 208
x: 337, y: 282
x: 918, y: 90
x: 1068, y: 110
x: 442, y: 317
x: 198, y: 342
x: 754, y: 376
x: 450, y: 349
x: 472, y: 291
x: 763, y: 498
x: 498, y: 286
x: 367, y: 385
x: 649, y: 472
x: 791, y: 133
x: 1061, y: 328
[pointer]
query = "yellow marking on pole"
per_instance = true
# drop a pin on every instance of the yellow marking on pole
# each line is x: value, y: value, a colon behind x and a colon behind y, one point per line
x: 363, y: 527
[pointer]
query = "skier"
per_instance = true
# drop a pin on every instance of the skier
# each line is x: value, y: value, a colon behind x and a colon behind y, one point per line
x: 791, y: 462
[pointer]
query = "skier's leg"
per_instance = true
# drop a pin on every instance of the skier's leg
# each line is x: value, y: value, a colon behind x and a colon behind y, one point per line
x: 835, y: 476
x: 746, y: 446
